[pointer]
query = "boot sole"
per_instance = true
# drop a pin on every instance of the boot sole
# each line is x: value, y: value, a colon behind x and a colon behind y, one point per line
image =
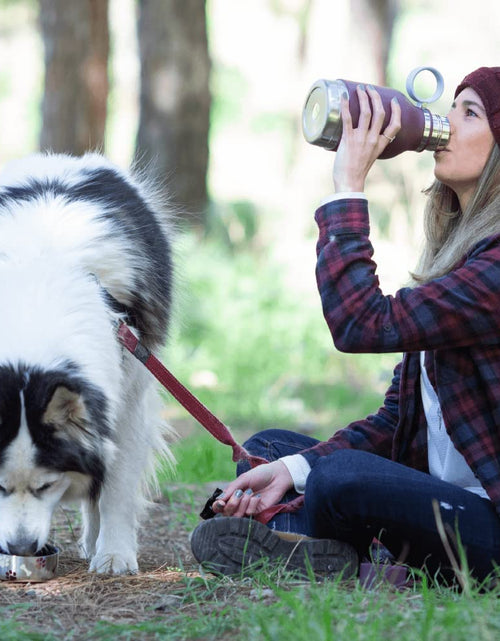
x: 231, y: 546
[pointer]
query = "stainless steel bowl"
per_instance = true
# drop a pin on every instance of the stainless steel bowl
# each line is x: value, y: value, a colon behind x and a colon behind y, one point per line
x: 30, y: 568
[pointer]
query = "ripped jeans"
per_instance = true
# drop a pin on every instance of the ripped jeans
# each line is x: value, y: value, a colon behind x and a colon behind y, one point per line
x: 355, y: 496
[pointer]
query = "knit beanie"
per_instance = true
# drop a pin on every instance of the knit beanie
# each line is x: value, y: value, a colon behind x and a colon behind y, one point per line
x: 486, y: 83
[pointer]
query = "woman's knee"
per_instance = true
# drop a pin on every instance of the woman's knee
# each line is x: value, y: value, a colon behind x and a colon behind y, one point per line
x: 335, y: 488
x: 342, y: 473
x: 263, y: 444
x: 272, y: 444
x: 261, y: 441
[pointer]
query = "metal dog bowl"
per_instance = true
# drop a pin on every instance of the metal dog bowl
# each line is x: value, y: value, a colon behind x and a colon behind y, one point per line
x: 41, y: 567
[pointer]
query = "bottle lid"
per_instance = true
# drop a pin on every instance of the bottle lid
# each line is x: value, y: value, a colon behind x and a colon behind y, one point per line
x: 321, y: 116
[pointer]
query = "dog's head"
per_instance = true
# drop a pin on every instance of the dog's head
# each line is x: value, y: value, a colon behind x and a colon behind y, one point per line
x: 53, y: 439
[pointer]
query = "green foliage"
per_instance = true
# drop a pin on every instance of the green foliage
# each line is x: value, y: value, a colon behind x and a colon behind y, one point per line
x: 6, y: 4
x: 332, y: 612
x: 234, y: 225
x: 270, y: 609
x: 257, y: 352
x: 189, y: 628
x: 229, y: 88
x: 201, y: 458
x: 11, y: 630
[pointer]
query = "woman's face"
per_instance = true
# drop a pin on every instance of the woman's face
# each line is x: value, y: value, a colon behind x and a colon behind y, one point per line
x: 460, y: 165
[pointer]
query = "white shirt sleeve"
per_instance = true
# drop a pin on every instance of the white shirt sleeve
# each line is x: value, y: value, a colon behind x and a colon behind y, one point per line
x: 299, y: 470
x: 341, y: 195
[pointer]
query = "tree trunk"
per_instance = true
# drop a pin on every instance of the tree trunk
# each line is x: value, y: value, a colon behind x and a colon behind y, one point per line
x: 76, y: 40
x: 175, y: 97
x: 372, y: 22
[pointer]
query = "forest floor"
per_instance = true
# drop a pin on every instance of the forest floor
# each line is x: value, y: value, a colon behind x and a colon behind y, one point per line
x: 70, y: 605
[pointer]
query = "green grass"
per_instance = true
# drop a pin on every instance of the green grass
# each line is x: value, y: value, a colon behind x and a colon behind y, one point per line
x: 201, y: 458
x: 270, y: 608
x: 11, y: 630
x: 334, y: 613
x: 258, y: 353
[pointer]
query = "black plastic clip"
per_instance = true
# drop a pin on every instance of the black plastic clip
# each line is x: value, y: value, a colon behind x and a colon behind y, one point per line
x: 207, y: 512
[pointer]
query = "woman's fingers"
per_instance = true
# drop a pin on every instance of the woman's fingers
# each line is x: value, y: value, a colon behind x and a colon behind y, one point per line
x: 359, y: 146
x: 371, y: 112
x: 365, y: 112
x: 344, y: 107
x: 377, y: 113
x: 255, y: 479
x: 241, y: 504
x: 258, y: 488
x: 237, y: 504
x: 248, y: 504
x: 254, y: 505
x: 394, y: 126
x: 372, y: 116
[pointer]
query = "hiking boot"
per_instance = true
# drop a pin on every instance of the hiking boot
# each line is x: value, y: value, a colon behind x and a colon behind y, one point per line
x: 231, y: 545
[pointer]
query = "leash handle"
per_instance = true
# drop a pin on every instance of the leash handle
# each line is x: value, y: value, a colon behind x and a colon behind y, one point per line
x: 199, y: 411
x: 280, y: 508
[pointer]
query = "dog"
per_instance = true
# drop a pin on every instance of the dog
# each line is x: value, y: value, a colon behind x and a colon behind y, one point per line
x: 83, y: 245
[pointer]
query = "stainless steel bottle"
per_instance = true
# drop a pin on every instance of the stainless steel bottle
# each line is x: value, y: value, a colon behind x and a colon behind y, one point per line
x: 420, y: 129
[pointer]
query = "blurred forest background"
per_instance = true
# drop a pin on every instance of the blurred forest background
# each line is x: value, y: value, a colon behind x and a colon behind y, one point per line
x: 210, y: 95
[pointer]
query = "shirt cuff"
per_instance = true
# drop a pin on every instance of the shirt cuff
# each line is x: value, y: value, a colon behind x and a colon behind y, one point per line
x: 343, y: 217
x: 299, y: 470
x: 343, y: 194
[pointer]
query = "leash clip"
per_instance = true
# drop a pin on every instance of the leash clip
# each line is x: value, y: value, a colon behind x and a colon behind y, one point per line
x: 207, y: 512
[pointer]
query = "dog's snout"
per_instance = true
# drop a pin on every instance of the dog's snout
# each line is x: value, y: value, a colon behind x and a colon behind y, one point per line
x: 22, y: 547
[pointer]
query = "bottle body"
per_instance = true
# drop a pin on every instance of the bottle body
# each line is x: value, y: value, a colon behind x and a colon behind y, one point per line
x: 322, y: 120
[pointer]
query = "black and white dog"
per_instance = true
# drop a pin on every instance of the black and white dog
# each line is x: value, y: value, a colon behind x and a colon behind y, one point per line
x: 82, y: 244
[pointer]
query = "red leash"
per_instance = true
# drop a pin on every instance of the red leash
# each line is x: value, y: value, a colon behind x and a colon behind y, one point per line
x: 201, y: 413
x: 210, y: 422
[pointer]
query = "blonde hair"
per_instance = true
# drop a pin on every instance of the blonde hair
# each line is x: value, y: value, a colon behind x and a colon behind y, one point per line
x: 450, y: 232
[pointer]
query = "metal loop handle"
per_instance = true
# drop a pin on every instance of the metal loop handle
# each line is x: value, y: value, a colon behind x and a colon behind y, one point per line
x: 410, y: 85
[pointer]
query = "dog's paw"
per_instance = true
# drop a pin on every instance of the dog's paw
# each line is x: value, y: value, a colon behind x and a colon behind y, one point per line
x: 85, y: 551
x: 82, y: 553
x: 114, y: 563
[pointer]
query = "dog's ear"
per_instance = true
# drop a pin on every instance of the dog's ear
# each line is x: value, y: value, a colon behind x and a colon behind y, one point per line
x: 65, y: 408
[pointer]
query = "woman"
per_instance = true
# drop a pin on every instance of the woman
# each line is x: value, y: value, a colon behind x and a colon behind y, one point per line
x: 432, y: 452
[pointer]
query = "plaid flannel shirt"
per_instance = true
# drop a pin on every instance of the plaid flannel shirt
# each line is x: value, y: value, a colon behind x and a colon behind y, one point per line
x: 455, y: 319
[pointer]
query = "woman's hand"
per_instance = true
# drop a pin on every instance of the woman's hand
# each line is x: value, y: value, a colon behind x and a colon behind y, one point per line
x: 255, y: 490
x: 360, y: 147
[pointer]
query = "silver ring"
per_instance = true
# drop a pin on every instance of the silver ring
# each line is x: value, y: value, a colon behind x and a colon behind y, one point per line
x: 389, y: 138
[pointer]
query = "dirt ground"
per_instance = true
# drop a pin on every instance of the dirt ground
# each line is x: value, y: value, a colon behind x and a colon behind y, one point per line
x: 75, y: 600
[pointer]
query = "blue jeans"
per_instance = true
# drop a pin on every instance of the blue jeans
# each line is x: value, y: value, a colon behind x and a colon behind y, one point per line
x: 355, y: 496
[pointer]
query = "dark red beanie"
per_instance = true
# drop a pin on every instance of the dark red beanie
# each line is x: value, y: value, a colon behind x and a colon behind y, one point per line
x: 486, y: 83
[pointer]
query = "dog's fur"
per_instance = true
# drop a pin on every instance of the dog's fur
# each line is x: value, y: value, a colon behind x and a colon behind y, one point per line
x: 82, y: 244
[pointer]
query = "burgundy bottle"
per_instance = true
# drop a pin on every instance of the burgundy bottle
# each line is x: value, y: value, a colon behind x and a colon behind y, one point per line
x: 420, y: 129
